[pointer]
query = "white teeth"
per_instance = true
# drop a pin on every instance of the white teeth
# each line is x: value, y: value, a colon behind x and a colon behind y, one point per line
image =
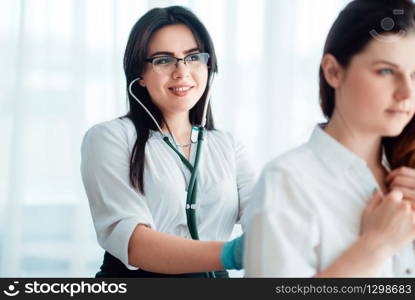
x: 181, y: 89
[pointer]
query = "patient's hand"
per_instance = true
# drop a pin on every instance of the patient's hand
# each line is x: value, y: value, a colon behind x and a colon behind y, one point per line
x: 388, y: 222
x: 403, y: 179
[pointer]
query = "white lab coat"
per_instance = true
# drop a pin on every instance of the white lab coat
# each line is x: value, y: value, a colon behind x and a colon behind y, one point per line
x: 225, y: 181
x: 307, y: 206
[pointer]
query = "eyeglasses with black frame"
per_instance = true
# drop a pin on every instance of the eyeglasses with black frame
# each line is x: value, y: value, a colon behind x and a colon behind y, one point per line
x: 167, y: 63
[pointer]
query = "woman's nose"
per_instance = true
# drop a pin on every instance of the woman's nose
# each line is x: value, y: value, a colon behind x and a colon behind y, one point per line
x: 406, y: 89
x: 181, y: 69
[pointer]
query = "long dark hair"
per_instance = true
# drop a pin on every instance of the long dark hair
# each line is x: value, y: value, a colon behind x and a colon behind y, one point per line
x: 357, y: 24
x: 134, y: 65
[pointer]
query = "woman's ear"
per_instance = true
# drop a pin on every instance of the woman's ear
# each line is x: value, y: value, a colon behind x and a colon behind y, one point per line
x: 142, y: 82
x: 333, y: 71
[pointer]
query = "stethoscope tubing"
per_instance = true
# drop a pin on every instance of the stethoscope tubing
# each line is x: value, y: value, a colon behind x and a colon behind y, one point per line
x: 191, y: 216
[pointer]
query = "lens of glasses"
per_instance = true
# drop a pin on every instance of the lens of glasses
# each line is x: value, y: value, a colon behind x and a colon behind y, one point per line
x: 197, y: 58
x: 164, y: 61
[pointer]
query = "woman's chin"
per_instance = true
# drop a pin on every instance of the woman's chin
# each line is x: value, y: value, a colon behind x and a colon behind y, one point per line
x: 393, y: 131
x: 183, y: 108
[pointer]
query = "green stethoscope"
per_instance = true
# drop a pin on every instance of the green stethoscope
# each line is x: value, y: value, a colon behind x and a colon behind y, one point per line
x: 192, y: 187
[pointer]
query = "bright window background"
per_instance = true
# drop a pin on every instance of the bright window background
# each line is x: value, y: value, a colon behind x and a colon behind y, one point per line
x: 61, y: 72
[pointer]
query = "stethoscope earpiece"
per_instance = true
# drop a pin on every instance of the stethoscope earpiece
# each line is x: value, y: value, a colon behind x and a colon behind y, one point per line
x: 142, y: 105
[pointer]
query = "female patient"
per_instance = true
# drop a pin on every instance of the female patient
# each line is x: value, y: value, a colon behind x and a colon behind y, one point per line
x: 317, y: 211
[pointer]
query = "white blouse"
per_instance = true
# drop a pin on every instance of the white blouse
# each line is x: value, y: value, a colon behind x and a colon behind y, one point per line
x: 224, y: 183
x: 307, y: 210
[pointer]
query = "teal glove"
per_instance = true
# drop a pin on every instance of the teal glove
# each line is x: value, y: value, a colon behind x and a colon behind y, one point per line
x: 232, y: 254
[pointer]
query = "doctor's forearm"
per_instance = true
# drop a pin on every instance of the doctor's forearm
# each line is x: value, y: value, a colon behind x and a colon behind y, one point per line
x: 159, y: 252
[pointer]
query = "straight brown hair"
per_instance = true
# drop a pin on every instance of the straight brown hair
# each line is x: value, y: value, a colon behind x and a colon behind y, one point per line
x: 350, y: 33
x: 134, y: 65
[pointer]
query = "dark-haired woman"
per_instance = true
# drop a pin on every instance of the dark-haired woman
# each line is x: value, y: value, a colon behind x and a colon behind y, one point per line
x: 137, y: 185
x: 317, y: 215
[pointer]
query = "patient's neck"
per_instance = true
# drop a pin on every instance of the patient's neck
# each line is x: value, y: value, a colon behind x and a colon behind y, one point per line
x: 366, y: 145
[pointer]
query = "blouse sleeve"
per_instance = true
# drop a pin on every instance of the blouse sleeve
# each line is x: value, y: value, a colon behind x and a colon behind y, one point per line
x: 282, y: 237
x: 245, y: 178
x: 116, y: 207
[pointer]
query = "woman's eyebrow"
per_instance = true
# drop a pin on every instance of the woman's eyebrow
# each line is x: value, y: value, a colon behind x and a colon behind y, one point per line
x: 157, y: 53
x: 191, y: 50
x: 171, y: 53
x: 385, y: 62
